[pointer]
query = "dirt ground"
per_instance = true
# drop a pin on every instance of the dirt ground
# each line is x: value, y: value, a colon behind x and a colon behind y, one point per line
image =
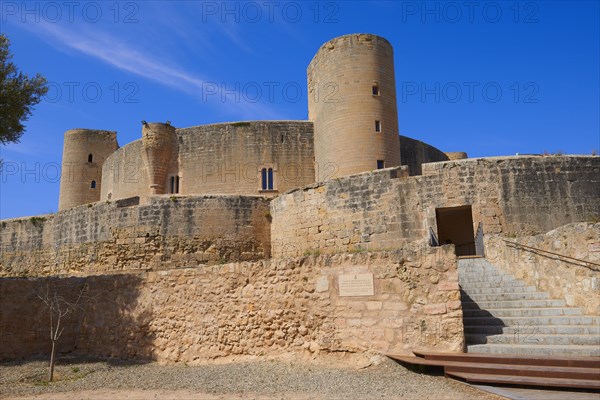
x: 344, y: 376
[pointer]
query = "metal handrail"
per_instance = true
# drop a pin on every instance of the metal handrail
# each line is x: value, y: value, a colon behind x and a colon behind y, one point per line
x: 433, y: 239
x: 479, y: 245
x: 554, y: 254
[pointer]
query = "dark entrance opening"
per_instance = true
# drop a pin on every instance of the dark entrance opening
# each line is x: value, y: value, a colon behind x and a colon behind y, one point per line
x: 455, y: 225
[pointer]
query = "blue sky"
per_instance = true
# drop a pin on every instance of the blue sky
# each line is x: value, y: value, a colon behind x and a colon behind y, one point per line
x: 487, y: 77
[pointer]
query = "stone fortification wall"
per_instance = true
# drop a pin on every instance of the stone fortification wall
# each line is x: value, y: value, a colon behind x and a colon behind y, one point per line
x: 227, y: 158
x: 124, y: 173
x: 167, y: 233
x: 221, y: 159
x: 384, y: 209
x: 564, y: 278
x: 413, y: 153
x: 252, y: 308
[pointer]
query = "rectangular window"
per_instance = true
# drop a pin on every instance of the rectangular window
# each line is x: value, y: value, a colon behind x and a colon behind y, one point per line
x: 267, y: 179
x: 377, y: 126
x: 263, y: 180
x: 375, y: 90
x: 380, y: 164
x: 174, y: 184
x: 270, y: 178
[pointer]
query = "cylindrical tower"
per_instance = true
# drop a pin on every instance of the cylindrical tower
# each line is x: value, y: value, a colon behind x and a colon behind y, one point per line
x: 84, y: 152
x: 159, y: 141
x: 352, y: 102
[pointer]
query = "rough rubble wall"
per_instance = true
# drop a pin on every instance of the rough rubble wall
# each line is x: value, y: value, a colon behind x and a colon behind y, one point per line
x: 384, y: 209
x: 413, y: 153
x: 167, y: 233
x: 255, y: 308
x: 576, y: 282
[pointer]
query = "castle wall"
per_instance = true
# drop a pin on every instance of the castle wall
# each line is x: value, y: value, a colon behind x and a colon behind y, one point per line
x: 413, y: 153
x: 564, y: 278
x: 345, y: 110
x: 121, y: 235
x: 81, y: 178
x: 227, y: 158
x: 124, y: 173
x: 250, y: 308
x: 385, y: 209
x: 221, y: 159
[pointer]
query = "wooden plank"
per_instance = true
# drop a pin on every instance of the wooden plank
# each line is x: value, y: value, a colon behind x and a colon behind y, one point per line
x: 527, y: 380
x: 579, y: 362
x: 525, y: 370
x: 505, y: 369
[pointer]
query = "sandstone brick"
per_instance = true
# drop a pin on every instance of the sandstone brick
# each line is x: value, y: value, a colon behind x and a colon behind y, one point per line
x: 435, y: 309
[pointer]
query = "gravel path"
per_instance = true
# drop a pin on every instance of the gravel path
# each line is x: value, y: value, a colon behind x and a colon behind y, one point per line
x: 271, y: 379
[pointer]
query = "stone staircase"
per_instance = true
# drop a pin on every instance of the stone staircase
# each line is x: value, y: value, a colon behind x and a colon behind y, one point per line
x: 502, y: 315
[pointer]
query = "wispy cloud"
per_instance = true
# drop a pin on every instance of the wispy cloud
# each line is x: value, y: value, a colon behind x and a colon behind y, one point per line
x: 125, y: 57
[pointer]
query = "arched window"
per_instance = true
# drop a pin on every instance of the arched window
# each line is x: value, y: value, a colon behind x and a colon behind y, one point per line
x: 266, y: 175
x: 93, y: 185
x: 90, y: 157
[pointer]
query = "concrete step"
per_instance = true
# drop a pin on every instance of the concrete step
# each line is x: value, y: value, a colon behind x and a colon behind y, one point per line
x: 534, y: 338
x: 477, y: 297
x: 498, y: 280
x: 523, y: 312
x: 528, y: 329
x: 499, y: 290
x: 535, y: 350
x: 479, y: 273
x: 532, y: 321
x: 484, y: 305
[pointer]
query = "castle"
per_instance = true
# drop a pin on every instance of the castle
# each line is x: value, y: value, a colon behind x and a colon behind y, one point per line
x: 352, y: 128
x: 331, y: 234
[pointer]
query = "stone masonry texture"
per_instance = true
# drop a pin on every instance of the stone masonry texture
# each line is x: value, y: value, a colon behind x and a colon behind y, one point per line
x: 255, y: 308
x: 575, y: 281
x: 169, y: 232
x: 385, y: 209
x: 344, y: 109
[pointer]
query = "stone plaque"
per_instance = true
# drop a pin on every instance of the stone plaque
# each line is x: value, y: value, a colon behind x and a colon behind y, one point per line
x: 356, y: 285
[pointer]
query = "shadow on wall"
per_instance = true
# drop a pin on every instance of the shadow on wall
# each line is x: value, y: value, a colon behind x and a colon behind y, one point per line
x: 109, y: 324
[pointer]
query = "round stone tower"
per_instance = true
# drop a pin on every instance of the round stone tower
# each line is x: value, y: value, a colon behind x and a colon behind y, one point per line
x: 352, y: 103
x: 84, y: 152
x: 160, y: 142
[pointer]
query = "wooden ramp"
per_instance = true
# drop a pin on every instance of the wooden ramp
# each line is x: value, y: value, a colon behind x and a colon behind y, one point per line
x: 581, y: 373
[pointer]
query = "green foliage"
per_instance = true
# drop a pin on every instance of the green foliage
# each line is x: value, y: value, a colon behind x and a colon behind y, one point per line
x: 18, y: 94
x: 36, y: 220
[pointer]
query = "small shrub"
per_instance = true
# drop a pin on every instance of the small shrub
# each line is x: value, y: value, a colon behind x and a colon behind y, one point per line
x: 36, y: 220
